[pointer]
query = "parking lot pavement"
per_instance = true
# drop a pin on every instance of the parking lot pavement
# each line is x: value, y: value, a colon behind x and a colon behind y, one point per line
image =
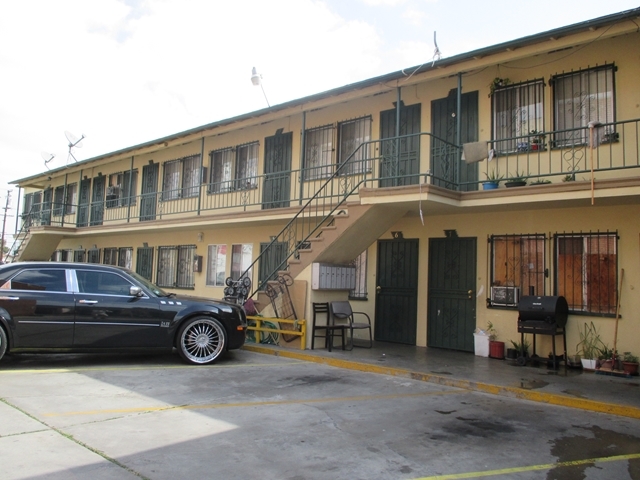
x: 259, y: 416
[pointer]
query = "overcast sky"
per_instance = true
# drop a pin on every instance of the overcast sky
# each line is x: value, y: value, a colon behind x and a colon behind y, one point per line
x: 124, y: 72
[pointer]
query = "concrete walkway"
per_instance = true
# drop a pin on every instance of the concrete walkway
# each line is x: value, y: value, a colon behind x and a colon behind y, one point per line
x: 566, y: 386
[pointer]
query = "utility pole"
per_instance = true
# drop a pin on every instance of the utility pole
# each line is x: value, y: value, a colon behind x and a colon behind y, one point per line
x: 4, y: 222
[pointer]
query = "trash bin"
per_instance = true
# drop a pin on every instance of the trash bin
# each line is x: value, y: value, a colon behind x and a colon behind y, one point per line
x: 481, y: 343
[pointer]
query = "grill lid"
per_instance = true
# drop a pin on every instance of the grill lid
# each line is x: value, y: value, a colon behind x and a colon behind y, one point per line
x: 548, y: 309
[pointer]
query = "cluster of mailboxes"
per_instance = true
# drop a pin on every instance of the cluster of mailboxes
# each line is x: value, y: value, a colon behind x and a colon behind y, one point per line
x: 333, y: 277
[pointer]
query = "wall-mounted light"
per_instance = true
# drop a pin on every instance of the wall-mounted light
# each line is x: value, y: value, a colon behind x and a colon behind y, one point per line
x: 200, y: 236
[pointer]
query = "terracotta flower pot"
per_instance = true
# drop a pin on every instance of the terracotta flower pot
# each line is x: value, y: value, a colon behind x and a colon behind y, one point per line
x: 496, y: 349
x: 630, y: 367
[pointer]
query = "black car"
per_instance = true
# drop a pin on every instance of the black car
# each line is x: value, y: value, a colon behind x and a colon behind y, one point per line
x: 81, y: 307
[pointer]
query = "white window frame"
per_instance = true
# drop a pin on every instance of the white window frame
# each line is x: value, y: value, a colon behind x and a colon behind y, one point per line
x: 247, y: 166
x: 241, y: 259
x: 216, y: 265
x: 221, y: 170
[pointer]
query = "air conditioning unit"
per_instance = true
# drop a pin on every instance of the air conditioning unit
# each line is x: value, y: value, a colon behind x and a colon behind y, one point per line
x: 113, y: 190
x: 505, y: 296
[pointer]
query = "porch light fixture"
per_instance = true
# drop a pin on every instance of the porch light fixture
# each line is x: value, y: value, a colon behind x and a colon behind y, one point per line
x: 200, y: 236
x: 256, y: 79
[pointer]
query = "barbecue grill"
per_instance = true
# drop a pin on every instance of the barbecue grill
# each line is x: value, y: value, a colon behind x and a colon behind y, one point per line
x: 542, y: 315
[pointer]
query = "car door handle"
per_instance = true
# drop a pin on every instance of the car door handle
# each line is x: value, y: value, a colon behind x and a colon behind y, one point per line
x: 9, y: 298
x: 88, y: 302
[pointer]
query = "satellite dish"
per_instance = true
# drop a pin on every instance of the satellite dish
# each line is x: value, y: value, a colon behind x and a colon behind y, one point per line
x: 73, y: 142
x: 47, y: 157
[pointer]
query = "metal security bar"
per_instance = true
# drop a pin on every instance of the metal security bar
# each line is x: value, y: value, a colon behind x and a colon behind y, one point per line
x: 586, y: 266
x: 518, y: 267
x: 175, y: 266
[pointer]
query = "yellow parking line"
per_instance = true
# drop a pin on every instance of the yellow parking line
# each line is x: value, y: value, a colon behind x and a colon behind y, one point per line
x: 511, y: 392
x: 532, y: 468
x: 358, y: 398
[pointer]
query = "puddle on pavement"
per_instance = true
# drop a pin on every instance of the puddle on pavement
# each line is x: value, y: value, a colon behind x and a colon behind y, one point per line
x: 441, y: 373
x: 574, y: 393
x: 601, y: 443
x: 532, y: 384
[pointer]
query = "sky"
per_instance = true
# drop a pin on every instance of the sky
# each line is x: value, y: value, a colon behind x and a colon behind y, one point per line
x: 124, y: 72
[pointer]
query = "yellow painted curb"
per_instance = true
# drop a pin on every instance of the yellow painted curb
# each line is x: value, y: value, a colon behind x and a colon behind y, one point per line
x: 513, y: 392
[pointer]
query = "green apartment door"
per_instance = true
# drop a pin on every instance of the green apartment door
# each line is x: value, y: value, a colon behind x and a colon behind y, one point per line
x: 451, y: 300
x: 277, y: 171
x: 445, y: 158
x: 397, y: 291
x: 400, y: 160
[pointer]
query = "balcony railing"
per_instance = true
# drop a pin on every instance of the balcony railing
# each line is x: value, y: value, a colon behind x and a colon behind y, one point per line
x: 401, y: 161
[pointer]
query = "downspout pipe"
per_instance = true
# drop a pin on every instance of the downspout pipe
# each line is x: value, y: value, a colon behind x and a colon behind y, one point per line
x: 459, y: 129
x: 129, y: 199
x: 201, y: 179
x: 302, y: 159
x: 397, y: 142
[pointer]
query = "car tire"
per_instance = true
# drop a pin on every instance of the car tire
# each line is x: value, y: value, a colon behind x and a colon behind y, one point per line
x: 201, y: 340
x: 3, y: 342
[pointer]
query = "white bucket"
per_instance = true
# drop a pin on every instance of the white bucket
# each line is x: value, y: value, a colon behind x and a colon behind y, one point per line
x: 481, y: 343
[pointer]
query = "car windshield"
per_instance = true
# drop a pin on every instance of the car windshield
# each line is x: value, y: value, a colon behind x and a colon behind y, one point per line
x: 150, y: 286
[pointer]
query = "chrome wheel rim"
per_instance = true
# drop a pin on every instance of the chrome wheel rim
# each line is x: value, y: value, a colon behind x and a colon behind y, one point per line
x: 202, y: 341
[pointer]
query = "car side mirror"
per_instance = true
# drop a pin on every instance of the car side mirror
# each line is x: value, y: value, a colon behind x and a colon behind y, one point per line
x: 135, y: 291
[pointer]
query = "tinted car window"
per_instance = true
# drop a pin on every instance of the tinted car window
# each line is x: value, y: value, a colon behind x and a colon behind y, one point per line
x: 103, y: 283
x: 51, y: 280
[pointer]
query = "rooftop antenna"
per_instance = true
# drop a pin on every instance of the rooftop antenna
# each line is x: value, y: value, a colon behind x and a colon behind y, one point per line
x: 256, y: 79
x: 47, y: 157
x: 74, y: 142
x: 437, y: 54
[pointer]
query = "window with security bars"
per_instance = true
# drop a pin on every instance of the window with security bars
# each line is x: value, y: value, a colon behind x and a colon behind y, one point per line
x: 234, y: 168
x: 71, y: 199
x: 66, y: 255
x: 121, y: 189
x: 181, y: 178
x: 318, y: 152
x: 93, y: 255
x: 586, y: 271
x: 110, y: 256
x: 517, y: 112
x: 352, y: 134
x: 58, y: 200
x: 580, y: 98
x: 216, y: 265
x: 175, y: 266
x: 144, y: 262
x: 360, y: 291
x: 79, y: 256
x: 125, y: 257
x: 272, y: 259
x: 517, y: 267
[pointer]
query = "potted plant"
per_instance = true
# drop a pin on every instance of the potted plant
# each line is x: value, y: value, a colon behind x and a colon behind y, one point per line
x: 537, y: 140
x: 605, y: 357
x: 518, y: 180
x: 496, y: 348
x: 521, y: 351
x: 588, y: 345
x: 493, y: 180
x: 540, y: 181
x: 630, y: 363
x: 497, y: 83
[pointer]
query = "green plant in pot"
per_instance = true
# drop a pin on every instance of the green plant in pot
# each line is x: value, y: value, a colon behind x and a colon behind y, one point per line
x: 630, y: 363
x: 605, y: 356
x: 589, y: 345
x: 537, y: 140
x: 493, y: 180
x: 519, y: 179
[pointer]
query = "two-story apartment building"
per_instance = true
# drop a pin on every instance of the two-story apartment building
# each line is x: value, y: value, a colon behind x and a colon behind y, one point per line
x: 391, y: 175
